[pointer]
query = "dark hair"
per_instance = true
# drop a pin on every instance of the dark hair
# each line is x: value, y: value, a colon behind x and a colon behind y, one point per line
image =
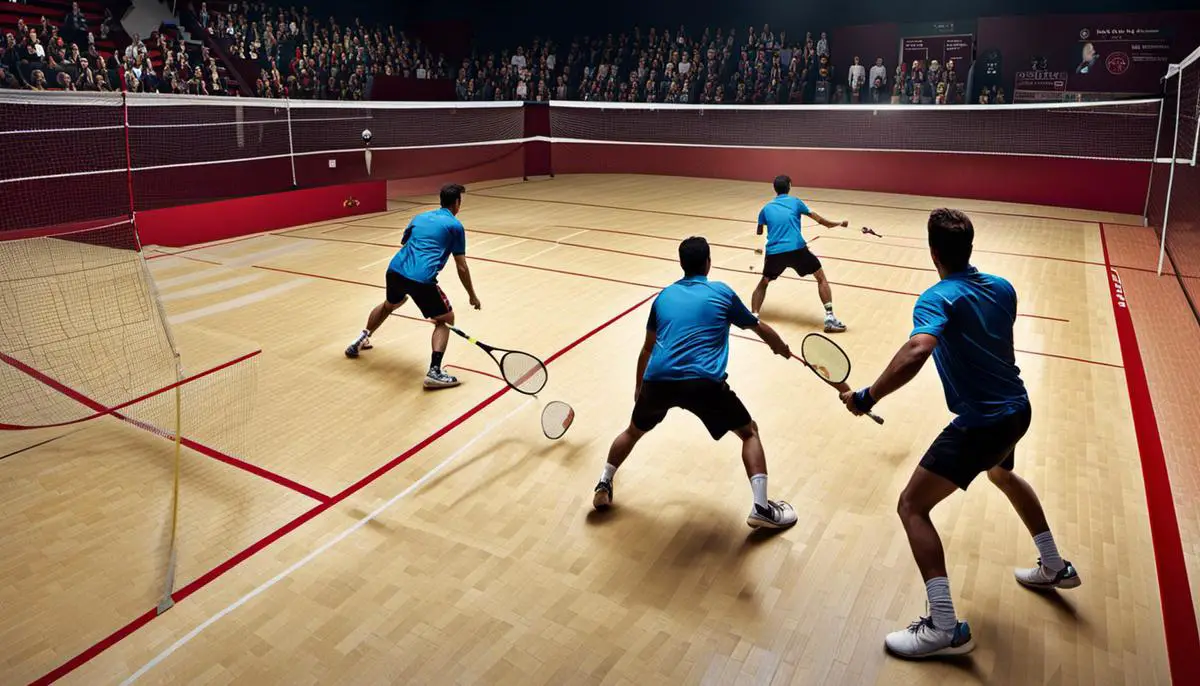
x: 783, y: 184
x: 950, y: 236
x: 451, y: 193
x: 694, y: 255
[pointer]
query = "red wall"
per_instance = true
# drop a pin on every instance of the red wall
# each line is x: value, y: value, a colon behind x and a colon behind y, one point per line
x: 1089, y: 184
x: 190, y: 224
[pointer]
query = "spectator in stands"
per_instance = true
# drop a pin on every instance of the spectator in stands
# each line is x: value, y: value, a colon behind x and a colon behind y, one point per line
x: 106, y: 24
x: 64, y: 81
x: 203, y: 17
x: 11, y: 56
x: 38, y: 80
x: 34, y: 51
x: 878, y: 71
x: 879, y: 94
x: 823, y: 45
x: 7, y: 79
x: 857, y: 78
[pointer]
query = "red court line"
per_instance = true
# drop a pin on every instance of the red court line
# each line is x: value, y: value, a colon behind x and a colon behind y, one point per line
x: 808, y: 199
x: 207, y: 245
x: 1179, y: 615
x: 615, y: 207
x: 473, y: 371
x: 198, y: 447
x: 1027, y: 352
x: 978, y: 250
x: 253, y: 469
x: 112, y: 410
x: 674, y: 239
x: 214, y: 573
x: 605, y: 278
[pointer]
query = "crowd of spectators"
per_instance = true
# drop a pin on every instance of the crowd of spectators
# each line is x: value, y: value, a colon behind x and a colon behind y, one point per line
x: 300, y: 56
x: 45, y: 55
x: 758, y: 66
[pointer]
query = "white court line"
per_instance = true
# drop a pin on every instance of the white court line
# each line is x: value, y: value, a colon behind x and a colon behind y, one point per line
x: 251, y: 258
x: 507, y: 245
x: 235, y: 303
x: 540, y: 252
x: 214, y: 287
x: 320, y: 550
x: 376, y: 263
x: 197, y: 275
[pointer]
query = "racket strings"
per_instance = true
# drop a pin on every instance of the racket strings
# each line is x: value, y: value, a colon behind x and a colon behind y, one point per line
x: 826, y: 359
x: 524, y: 372
x: 556, y: 419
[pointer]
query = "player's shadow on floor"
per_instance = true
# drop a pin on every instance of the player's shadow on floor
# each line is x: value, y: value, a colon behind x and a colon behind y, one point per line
x: 789, y: 316
x: 561, y: 450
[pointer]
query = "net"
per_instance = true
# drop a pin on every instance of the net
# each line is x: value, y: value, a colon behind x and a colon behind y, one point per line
x: 1173, y: 204
x: 524, y: 372
x: 62, y: 160
x: 824, y: 357
x: 1116, y: 130
x: 97, y: 418
x: 556, y: 419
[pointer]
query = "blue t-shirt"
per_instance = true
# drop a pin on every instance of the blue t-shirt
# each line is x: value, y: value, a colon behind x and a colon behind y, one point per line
x: 972, y: 315
x: 430, y: 239
x: 691, y: 319
x: 782, y: 219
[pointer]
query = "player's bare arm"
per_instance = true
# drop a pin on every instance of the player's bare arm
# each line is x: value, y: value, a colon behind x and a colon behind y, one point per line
x: 905, y: 365
x: 643, y: 360
x: 464, y: 275
x: 827, y: 223
x: 773, y: 339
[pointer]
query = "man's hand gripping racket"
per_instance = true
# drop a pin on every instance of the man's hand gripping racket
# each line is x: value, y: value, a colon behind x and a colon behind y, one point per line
x: 828, y: 361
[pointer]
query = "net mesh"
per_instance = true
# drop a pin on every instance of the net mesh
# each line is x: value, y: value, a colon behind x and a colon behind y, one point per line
x: 1103, y: 131
x: 524, y: 372
x: 1174, y: 198
x: 825, y: 358
x: 62, y: 159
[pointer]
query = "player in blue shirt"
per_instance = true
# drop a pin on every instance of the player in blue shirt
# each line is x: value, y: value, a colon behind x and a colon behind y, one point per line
x: 787, y: 249
x: 682, y: 364
x: 428, y: 242
x: 965, y: 321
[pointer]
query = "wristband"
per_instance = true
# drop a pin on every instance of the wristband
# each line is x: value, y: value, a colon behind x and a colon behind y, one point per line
x: 863, y: 400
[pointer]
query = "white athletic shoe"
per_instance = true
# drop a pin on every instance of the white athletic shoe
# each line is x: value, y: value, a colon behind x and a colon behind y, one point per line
x: 833, y: 324
x: 922, y: 640
x: 362, y: 342
x: 436, y: 378
x: 1041, y: 577
x: 776, y: 515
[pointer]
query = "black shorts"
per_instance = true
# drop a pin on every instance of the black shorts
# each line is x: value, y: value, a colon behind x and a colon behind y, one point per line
x: 428, y: 296
x: 714, y: 402
x: 960, y: 454
x: 802, y: 260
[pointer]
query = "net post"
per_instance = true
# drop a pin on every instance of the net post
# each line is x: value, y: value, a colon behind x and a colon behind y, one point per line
x: 1162, y: 241
x: 1153, y: 163
x: 291, y: 145
x: 128, y: 156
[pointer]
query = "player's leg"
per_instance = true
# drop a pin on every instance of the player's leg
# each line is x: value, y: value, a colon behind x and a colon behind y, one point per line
x: 940, y: 633
x: 436, y: 377
x: 435, y: 306
x: 715, y: 404
x: 832, y: 323
x: 622, y: 445
x: 649, y: 410
x: 953, y: 461
x: 396, y: 296
x: 1052, y: 571
x: 764, y: 513
x: 760, y: 294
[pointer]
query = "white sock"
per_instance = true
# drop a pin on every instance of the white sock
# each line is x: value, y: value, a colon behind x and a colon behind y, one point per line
x: 609, y: 472
x: 1048, y: 551
x: 758, y: 484
x: 828, y: 309
x: 941, y: 606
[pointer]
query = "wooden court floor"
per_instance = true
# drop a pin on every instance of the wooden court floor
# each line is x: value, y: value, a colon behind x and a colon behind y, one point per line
x: 355, y: 529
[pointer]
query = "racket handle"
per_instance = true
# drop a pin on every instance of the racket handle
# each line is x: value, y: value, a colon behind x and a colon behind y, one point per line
x: 877, y: 418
